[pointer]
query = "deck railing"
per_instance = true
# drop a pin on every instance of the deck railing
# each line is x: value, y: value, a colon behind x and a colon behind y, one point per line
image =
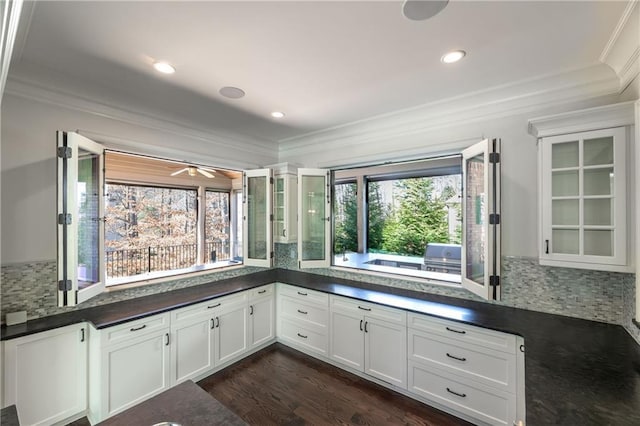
x: 128, y: 262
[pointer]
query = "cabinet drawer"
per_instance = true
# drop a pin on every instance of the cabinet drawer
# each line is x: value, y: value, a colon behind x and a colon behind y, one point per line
x: 465, y: 333
x: 471, y: 398
x: 369, y: 309
x: 494, y: 368
x: 303, y: 294
x: 300, y: 335
x: 309, y: 314
x: 208, y: 307
x: 260, y: 292
x: 134, y: 329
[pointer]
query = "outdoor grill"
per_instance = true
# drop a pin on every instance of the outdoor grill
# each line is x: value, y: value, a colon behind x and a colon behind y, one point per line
x: 443, y: 258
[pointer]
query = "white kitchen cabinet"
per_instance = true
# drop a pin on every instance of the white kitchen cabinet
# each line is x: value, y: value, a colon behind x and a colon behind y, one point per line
x: 585, y: 190
x: 45, y: 375
x: 369, y: 338
x: 261, y: 315
x: 303, y: 319
x: 285, y: 203
x: 206, y: 335
x: 129, y: 363
x: 476, y: 372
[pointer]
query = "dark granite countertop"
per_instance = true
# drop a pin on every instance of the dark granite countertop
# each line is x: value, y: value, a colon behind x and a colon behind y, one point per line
x: 9, y: 416
x: 185, y: 404
x: 577, y: 372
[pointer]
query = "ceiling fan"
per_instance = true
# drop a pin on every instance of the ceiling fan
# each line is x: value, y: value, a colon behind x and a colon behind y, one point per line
x: 193, y: 171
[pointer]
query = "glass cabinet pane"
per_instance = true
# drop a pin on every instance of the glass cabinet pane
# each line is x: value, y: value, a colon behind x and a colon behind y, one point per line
x: 475, y: 211
x: 566, y: 241
x: 88, y: 215
x: 564, y: 154
x: 598, y: 211
x: 256, y: 211
x: 313, y: 220
x: 598, y: 242
x: 565, y: 212
x: 565, y: 184
x: 598, y: 181
x: 598, y: 151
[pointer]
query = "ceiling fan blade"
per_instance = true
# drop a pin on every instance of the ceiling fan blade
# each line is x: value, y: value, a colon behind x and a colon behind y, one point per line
x: 205, y: 173
x: 179, y: 171
x: 209, y: 169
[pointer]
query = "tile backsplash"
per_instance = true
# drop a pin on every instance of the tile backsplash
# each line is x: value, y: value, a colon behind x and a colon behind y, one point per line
x: 593, y: 295
x: 31, y: 287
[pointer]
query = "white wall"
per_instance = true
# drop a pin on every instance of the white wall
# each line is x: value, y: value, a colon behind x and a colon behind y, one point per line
x: 28, y: 167
x: 519, y: 161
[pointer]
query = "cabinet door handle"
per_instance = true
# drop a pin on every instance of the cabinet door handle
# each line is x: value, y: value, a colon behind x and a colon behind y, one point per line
x: 213, y: 323
x: 262, y: 291
x: 365, y: 326
x: 361, y: 324
x: 284, y: 232
x: 214, y: 306
x: 250, y: 309
x: 455, y: 357
x: 139, y: 328
x: 302, y: 294
x: 218, y: 322
x: 300, y: 335
x: 461, y: 395
x: 168, y: 338
x: 82, y: 334
x: 303, y: 312
x: 364, y: 309
x: 546, y: 244
x: 456, y: 331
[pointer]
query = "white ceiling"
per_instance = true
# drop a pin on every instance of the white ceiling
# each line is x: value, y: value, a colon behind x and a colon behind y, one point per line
x: 323, y: 63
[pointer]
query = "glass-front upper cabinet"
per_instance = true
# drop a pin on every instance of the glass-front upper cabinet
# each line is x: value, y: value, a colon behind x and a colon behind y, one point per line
x: 583, y: 199
x: 285, y: 203
x: 314, y: 218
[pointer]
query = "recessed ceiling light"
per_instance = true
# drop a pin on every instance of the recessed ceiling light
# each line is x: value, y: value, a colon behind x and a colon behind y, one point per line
x: 232, y: 92
x: 454, y: 56
x: 164, y: 67
x: 277, y: 114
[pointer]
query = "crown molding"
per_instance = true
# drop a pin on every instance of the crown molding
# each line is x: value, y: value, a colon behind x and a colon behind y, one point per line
x: 616, y: 115
x: 10, y: 18
x: 622, y: 50
x: 214, y: 139
x: 527, y: 96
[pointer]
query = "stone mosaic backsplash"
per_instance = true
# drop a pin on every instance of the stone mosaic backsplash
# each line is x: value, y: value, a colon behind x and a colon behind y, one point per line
x: 31, y: 287
x: 593, y: 295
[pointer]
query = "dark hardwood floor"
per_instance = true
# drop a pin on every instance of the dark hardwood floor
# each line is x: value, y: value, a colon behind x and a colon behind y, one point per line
x: 281, y: 386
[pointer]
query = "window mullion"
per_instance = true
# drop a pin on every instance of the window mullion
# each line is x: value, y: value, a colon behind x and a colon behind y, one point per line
x: 361, y: 194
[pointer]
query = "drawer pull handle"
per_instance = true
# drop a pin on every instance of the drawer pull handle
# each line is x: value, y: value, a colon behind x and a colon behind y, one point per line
x: 302, y: 312
x: 455, y: 357
x: 300, y: 335
x: 461, y: 395
x: 139, y: 328
x: 262, y: 291
x: 302, y: 294
x: 214, y: 306
x: 456, y: 331
x: 364, y: 309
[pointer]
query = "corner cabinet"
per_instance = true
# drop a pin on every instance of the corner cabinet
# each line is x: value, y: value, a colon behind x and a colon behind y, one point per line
x: 285, y: 203
x: 584, y: 189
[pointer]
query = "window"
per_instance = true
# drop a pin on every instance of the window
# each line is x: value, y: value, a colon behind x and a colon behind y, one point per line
x: 125, y: 218
x: 401, y: 218
x: 437, y: 219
